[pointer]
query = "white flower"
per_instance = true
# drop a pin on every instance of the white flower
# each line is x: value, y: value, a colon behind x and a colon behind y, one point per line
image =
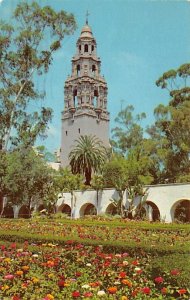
x: 137, y: 269
x: 117, y: 282
x: 85, y: 286
x: 88, y: 265
x: 125, y: 263
x: 35, y: 255
x: 101, y: 293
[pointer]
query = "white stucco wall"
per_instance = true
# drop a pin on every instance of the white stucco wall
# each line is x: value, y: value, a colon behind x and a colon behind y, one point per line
x: 165, y: 197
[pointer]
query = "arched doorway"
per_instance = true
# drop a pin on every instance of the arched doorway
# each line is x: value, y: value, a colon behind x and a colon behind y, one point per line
x: 181, y: 211
x: 8, y: 212
x: 152, y: 211
x: 65, y: 209
x: 111, y: 209
x: 24, y: 212
x: 41, y: 207
x: 88, y: 209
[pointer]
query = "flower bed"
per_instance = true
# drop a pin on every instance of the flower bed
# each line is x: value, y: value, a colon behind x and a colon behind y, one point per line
x: 76, y: 271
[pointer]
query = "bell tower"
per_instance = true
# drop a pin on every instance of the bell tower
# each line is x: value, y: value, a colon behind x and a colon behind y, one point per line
x: 85, y: 97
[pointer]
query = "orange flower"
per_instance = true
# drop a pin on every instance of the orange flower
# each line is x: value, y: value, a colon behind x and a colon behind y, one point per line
x: 112, y: 290
x: 25, y: 268
x: 19, y: 273
x: 182, y: 291
x: 127, y: 282
x: 50, y: 263
x: 164, y: 290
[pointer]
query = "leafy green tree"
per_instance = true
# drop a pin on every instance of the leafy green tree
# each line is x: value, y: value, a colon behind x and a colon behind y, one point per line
x: 69, y: 182
x: 115, y: 175
x: 26, y: 178
x: 23, y: 57
x: 97, y: 184
x: 172, y: 127
x: 87, y: 156
x: 127, y: 175
x: 129, y: 132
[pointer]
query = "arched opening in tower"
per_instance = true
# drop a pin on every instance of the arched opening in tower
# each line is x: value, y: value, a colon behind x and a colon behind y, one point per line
x: 182, y: 211
x: 78, y: 70
x: 95, y: 102
x: 93, y: 70
x: 92, y: 48
x: 85, y: 48
x: 75, y: 102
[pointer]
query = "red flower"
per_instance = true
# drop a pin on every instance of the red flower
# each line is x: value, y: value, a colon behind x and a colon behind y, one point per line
x: 146, y: 290
x: 135, y: 263
x: 75, y: 294
x: 15, y: 297
x: 122, y: 274
x: 78, y: 274
x: 159, y: 279
x: 175, y: 272
x: 182, y: 291
x: 164, y: 291
x: 61, y: 283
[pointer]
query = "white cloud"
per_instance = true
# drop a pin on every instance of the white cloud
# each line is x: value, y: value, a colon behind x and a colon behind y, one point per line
x: 1, y: 1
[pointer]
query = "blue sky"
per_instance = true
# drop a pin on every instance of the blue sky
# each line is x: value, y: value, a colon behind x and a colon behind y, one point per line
x: 137, y: 42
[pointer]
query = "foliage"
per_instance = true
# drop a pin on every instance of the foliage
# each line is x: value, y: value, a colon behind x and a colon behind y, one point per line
x: 127, y: 174
x: 87, y: 156
x: 171, y: 129
x: 26, y: 177
x: 23, y: 57
x: 129, y: 133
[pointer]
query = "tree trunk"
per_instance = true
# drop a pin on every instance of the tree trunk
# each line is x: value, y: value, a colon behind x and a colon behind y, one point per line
x: 1, y: 205
x: 88, y: 174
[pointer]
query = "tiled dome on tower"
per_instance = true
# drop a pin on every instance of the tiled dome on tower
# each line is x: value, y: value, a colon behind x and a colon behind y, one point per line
x: 85, y: 96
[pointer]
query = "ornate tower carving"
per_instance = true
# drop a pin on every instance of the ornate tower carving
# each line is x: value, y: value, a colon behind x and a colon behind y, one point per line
x: 85, y: 97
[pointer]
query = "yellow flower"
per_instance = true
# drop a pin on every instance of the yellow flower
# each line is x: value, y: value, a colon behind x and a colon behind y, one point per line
x: 5, y: 287
x: 35, y: 280
x: 8, y: 260
x: 124, y: 298
x: 50, y: 297
x: 51, y: 275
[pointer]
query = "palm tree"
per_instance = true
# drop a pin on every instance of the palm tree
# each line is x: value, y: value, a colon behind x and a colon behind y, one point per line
x: 87, y: 156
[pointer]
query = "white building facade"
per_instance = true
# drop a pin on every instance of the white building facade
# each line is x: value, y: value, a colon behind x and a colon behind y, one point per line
x: 164, y: 202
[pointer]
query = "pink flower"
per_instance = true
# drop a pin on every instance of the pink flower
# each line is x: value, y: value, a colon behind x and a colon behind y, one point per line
x: 9, y: 276
x: 87, y: 295
x: 175, y: 272
x: 159, y: 279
